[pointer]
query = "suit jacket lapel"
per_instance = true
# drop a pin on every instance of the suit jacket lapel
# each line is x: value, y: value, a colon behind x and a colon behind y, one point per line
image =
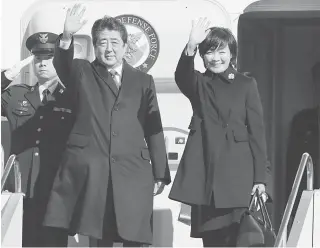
x: 105, y: 76
x: 33, y: 96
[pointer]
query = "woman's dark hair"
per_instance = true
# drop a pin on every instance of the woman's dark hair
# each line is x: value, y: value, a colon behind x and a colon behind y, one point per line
x: 109, y: 23
x: 219, y: 37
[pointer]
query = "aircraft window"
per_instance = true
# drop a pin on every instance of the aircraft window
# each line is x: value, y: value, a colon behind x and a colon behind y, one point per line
x: 82, y: 47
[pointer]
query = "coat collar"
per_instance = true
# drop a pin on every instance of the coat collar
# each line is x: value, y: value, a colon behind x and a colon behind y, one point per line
x: 127, y: 71
x: 59, y: 90
x: 102, y: 71
x: 126, y: 75
x: 227, y: 76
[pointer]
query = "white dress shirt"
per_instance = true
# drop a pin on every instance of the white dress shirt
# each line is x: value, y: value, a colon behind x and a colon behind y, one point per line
x: 51, y: 88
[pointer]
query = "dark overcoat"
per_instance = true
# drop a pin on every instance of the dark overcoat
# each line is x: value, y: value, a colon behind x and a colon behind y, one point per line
x: 115, y: 131
x: 38, y: 136
x: 225, y: 152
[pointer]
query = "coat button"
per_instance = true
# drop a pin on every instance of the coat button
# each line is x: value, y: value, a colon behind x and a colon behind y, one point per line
x: 225, y: 125
x: 39, y: 129
x: 114, y: 133
x: 116, y: 109
x: 36, y: 154
x: 113, y: 160
x: 41, y: 117
x: 37, y: 142
x: 62, y: 117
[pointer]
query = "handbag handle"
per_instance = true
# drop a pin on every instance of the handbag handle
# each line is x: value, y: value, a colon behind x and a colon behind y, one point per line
x: 263, y: 209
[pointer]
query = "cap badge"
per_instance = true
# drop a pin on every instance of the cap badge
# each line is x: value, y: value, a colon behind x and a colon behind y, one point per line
x: 231, y: 76
x: 43, y: 38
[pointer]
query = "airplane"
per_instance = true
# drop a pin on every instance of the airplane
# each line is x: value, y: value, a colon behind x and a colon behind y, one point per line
x: 278, y: 42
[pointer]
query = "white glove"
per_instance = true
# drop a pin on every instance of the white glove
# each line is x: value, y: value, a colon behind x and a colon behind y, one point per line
x: 14, y: 71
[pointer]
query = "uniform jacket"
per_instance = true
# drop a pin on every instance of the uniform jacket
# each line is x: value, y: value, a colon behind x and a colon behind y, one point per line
x: 304, y: 137
x: 115, y: 131
x: 225, y: 152
x: 38, y: 135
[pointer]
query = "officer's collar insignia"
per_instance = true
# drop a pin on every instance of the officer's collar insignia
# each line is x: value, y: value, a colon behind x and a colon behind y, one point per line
x: 43, y: 38
x: 230, y: 76
x: 24, y: 103
x: 61, y: 91
x: 32, y: 89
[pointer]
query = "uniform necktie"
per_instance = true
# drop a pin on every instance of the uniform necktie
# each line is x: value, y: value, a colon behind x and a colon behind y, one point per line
x: 46, y: 96
x: 116, y: 77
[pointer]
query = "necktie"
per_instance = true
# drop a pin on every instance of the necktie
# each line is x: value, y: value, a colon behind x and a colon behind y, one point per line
x: 46, y: 96
x: 116, y: 78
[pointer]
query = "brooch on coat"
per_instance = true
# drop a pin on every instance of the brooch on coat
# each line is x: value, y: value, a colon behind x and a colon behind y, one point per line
x: 231, y: 76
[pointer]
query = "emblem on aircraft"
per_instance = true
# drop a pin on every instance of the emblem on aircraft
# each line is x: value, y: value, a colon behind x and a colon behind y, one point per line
x: 43, y: 38
x: 143, y: 42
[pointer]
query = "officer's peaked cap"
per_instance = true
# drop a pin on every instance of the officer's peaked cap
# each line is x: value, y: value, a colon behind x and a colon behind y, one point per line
x: 41, y: 43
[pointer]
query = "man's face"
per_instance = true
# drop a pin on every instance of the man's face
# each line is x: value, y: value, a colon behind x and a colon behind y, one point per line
x: 43, y: 67
x: 217, y: 60
x: 110, y: 48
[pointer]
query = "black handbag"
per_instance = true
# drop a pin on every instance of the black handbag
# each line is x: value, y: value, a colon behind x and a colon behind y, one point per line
x: 255, y: 226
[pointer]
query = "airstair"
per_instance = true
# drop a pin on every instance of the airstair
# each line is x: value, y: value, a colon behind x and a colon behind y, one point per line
x: 305, y: 230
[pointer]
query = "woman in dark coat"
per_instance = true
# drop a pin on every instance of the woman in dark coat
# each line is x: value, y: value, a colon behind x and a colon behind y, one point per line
x: 225, y: 157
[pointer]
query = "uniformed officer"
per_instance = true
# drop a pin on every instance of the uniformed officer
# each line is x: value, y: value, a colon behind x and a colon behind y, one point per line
x: 40, y: 118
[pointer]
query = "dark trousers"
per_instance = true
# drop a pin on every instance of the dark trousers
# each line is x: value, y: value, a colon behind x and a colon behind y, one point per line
x: 34, y: 234
x: 110, y: 230
x: 224, y: 237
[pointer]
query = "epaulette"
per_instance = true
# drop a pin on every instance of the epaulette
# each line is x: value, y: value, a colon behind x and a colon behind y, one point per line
x: 20, y: 87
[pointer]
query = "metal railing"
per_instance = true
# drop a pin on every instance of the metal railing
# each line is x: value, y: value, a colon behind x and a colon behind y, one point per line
x: 12, y: 163
x: 306, y: 162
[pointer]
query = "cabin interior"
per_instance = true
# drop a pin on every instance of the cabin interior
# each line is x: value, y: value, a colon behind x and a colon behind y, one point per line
x: 279, y: 49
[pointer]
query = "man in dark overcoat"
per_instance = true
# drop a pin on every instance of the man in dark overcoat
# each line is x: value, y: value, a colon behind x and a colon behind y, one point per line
x: 304, y: 137
x: 40, y: 118
x: 116, y: 160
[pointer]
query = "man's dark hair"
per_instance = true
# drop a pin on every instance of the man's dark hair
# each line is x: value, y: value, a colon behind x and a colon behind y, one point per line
x: 219, y: 37
x: 109, y: 23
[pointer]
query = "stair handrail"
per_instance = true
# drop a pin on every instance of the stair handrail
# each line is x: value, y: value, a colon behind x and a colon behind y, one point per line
x: 305, y: 163
x: 12, y: 163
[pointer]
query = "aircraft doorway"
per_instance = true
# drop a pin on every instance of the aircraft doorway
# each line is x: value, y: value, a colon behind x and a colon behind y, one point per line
x: 279, y: 45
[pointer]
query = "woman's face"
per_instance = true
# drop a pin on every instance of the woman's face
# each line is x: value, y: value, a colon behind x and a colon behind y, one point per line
x: 217, y: 60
